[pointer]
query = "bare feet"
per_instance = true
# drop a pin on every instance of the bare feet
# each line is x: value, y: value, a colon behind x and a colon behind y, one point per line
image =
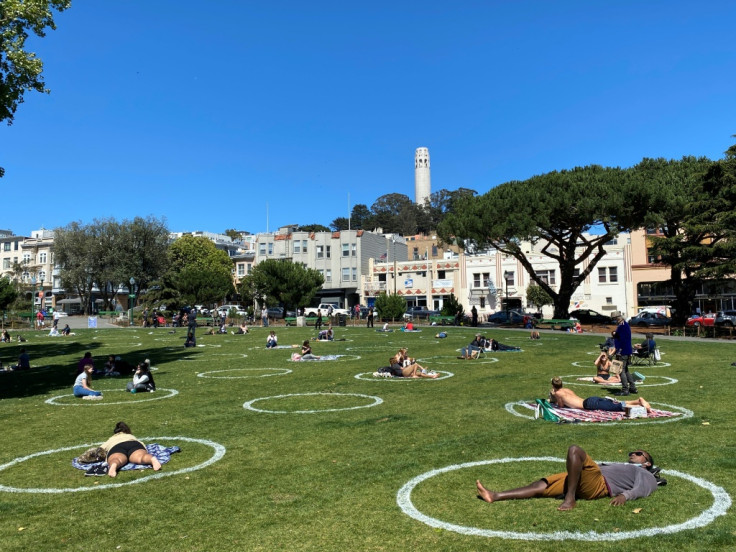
x: 483, y: 493
x: 112, y: 470
x: 566, y: 506
x: 155, y: 463
x: 645, y: 404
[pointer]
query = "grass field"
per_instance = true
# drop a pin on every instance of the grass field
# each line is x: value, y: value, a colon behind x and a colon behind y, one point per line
x: 323, y: 464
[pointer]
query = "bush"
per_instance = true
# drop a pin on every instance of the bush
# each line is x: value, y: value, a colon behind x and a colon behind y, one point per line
x: 390, y: 307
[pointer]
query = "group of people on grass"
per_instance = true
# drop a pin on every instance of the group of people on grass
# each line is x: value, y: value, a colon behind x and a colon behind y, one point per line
x: 143, y: 381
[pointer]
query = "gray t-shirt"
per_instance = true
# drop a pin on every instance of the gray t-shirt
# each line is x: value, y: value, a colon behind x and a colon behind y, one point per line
x: 630, y: 480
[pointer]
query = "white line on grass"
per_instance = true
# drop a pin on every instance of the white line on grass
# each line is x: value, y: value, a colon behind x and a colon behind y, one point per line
x: 283, y: 372
x: 218, y: 454
x: 686, y: 413
x: 249, y: 404
x: 371, y: 378
x: 587, y: 364
x: 455, y: 360
x: 155, y: 397
x: 721, y: 504
x: 669, y: 381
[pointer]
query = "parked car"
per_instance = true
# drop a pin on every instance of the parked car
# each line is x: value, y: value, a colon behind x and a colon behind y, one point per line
x: 726, y: 318
x: 512, y: 317
x: 224, y: 310
x: 696, y: 320
x: 587, y: 316
x: 645, y: 318
x: 419, y: 313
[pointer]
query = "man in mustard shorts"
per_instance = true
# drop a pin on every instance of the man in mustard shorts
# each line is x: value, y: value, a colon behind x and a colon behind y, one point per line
x: 586, y: 480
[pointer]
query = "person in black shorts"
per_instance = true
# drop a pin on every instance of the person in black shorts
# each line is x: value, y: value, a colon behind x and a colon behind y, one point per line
x: 123, y: 447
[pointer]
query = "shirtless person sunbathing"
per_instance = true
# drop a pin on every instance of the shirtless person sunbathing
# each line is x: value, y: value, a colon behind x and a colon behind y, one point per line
x: 562, y: 397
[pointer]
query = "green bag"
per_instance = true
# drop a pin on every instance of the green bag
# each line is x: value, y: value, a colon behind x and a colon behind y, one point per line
x: 544, y: 410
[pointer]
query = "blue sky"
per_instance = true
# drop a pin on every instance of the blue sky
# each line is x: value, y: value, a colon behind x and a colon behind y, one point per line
x: 207, y: 112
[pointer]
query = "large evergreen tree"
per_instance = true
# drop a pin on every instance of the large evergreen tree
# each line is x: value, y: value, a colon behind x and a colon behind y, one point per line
x: 571, y: 213
x: 281, y: 282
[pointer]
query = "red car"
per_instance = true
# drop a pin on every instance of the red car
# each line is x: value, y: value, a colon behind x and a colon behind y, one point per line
x: 701, y: 320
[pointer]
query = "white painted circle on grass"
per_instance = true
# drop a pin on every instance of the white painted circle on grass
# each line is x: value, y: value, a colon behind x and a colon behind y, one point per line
x: 249, y: 405
x: 368, y: 376
x: 155, y: 396
x: 588, y: 364
x: 686, y: 413
x: 455, y: 360
x: 721, y: 504
x: 339, y: 357
x: 282, y: 372
x: 668, y: 381
x: 219, y: 452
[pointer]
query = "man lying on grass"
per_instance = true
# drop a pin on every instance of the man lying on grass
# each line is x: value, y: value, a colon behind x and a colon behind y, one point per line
x: 559, y: 396
x: 587, y: 480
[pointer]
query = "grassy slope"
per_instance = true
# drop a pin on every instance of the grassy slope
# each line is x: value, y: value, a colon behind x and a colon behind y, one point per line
x: 328, y: 481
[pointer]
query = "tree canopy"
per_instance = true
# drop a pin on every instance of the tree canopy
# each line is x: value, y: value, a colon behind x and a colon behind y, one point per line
x: 20, y: 70
x: 571, y: 214
x: 199, y: 271
x: 281, y: 282
x: 8, y: 292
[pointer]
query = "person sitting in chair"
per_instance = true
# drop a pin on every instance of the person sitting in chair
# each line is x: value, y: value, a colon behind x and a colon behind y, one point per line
x: 584, y: 479
x: 646, y: 346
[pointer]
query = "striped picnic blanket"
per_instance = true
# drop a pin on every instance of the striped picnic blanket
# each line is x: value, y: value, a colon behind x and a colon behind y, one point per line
x: 576, y: 415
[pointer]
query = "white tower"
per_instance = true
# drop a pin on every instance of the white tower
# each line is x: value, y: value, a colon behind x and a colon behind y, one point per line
x: 422, y: 184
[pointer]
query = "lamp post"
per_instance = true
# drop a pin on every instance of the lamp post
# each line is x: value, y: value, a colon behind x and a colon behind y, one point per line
x: 131, y: 300
x: 33, y: 301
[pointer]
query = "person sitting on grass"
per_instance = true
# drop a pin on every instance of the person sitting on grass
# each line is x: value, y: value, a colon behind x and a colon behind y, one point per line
x: 603, y: 365
x: 67, y: 331
x: 307, y: 351
x: 473, y: 349
x: 409, y: 326
x: 6, y: 337
x: 123, y: 447
x: 83, y: 384
x: 326, y: 335
x: 566, y: 398
x: 142, y: 380
x: 586, y: 480
x: 272, y: 341
x: 243, y: 329
x: 534, y: 335
x: 409, y: 367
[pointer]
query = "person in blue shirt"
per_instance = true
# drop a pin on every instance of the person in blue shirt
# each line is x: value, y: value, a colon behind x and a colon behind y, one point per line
x: 624, y: 350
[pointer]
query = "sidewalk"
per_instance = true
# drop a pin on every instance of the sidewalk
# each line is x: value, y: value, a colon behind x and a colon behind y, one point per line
x: 80, y: 322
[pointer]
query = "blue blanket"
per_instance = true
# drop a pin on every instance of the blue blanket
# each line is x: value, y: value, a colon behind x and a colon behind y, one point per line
x: 162, y: 453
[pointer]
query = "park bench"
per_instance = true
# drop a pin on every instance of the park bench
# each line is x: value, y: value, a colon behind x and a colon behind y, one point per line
x: 563, y: 323
x: 107, y: 313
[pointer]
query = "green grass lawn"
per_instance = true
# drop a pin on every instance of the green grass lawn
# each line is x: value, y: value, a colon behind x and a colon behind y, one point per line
x: 320, y: 464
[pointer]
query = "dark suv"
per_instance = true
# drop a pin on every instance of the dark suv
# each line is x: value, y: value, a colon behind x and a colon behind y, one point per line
x: 726, y: 318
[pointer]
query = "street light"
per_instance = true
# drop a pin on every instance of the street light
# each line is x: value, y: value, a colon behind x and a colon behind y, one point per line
x: 131, y: 299
x: 33, y: 301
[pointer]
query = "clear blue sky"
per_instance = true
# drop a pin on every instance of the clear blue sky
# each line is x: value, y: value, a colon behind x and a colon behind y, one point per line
x: 205, y: 112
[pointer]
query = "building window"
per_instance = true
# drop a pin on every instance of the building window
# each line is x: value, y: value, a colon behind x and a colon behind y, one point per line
x: 546, y: 276
x: 270, y: 248
x: 509, y: 278
x: 320, y: 251
x: 476, y: 280
x: 354, y: 249
x: 6, y: 246
x: 297, y: 246
x: 416, y: 253
x: 607, y: 274
x: 482, y: 302
x: 346, y: 250
x: 26, y: 258
x: 328, y: 275
x: 6, y: 264
x: 613, y: 274
x: 328, y: 248
x: 250, y: 267
x: 345, y: 274
x: 355, y: 274
x: 601, y: 274
x: 304, y: 246
x: 262, y: 248
x: 241, y: 269
x: 434, y: 251
x: 441, y: 275
x: 381, y: 277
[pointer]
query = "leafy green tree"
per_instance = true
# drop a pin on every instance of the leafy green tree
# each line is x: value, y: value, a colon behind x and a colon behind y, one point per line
x: 313, y: 228
x: 360, y: 217
x: 20, y: 70
x: 340, y: 223
x: 74, y: 250
x: 281, y: 282
x: 390, y: 307
x: 451, y: 307
x: 199, y: 271
x: 557, y: 210
x: 8, y: 292
x: 536, y: 296
x: 441, y: 203
x: 387, y: 212
x: 678, y: 212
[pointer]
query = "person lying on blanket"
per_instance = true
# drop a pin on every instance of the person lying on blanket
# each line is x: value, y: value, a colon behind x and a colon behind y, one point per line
x: 587, y: 480
x: 566, y: 398
x: 122, y: 448
x: 409, y: 367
